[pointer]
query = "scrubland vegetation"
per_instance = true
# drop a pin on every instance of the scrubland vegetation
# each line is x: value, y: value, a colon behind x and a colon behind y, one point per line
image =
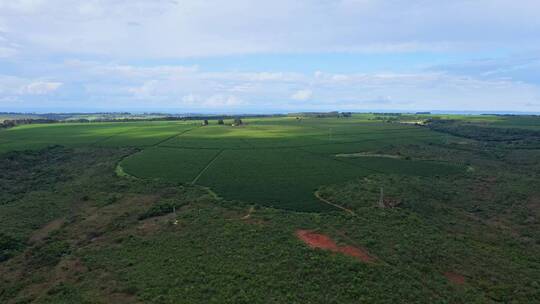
x: 208, y: 214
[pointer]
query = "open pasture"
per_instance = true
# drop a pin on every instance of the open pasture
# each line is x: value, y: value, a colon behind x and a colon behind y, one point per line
x: 277, y: 162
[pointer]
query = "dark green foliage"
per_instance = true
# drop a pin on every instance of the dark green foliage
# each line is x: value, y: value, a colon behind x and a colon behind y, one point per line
x: 161, y: 208
x: 9, y: 246
x: 65, y: 293
x: 42, y: 186
x: 16, y: 122
x: 48, y: 254
x: 32, y: 170
x: 482, y: 133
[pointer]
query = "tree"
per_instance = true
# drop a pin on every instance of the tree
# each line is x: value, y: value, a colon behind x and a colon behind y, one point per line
x: 237, y: 122
x: 220, y: 122
x: 205, y: 122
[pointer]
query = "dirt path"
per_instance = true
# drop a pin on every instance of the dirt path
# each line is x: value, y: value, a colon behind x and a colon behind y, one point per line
x: 367, y: 154
x: 174, y: 136
x: 322, y: 199
x: 119, y: 170
x: 248, y: 215
x: 207, y: 166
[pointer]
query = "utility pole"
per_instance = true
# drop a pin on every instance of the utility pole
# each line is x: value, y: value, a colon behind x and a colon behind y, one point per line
x: 381, y: 198
x: 174, y: 212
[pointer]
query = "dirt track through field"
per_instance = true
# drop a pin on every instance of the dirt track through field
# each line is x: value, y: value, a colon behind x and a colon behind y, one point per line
x: 319, y: 197
x: 207, y: 166
x: 104, y: 139
x: 174, y: 136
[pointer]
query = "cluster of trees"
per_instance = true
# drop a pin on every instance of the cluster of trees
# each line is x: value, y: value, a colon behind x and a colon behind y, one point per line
x: 236, y: 122
x: 214, y: 117
x: 320, y: 114
x: 482, y: 133
x: 15, y: 122
x: 388, y: 114
x: 334, y: 114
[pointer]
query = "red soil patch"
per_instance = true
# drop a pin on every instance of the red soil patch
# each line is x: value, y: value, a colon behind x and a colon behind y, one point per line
x: 321, y: 241
x: 455, y: 278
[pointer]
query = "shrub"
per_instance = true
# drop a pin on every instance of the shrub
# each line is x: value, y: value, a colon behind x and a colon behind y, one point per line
x: 160, y: 209
x: 8, y: 246
x: 49, y: 254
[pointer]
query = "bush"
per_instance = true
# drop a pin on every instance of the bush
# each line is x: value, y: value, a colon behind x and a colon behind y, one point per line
x: 9, y: 246
x: 49, y: 254
x: 160, y: 209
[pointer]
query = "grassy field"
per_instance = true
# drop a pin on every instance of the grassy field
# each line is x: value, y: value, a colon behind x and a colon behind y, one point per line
x: 211, y: 214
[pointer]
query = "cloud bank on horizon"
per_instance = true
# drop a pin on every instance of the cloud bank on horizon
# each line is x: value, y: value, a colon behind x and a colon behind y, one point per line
x: 269, y: 56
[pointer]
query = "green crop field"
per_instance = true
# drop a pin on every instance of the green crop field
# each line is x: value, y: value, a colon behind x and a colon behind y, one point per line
x: 373, y: 208
x: 281, y: 163
x: 274, y: 162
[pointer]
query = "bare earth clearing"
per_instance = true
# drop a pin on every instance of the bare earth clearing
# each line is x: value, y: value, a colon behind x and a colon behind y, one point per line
x: 321, y: 241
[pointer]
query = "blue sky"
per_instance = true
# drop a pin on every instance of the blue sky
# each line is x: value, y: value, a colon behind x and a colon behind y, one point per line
x: 269, y: 56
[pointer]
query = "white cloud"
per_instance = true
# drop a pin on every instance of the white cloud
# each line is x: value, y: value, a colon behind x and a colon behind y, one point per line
x: 40, y: 88
x: 302, y: 95
x: 190, y: 99
x: 185, y: 88
x: 135, y: 48
x: 170, y: 29
x: 214, y: 102
x: 21, y: 6
x: 134, y: 71
x: 147, y: 90
x: 12, y: 87
x: 7, y: 48
x: 221, y: 101
x: 7, y: 52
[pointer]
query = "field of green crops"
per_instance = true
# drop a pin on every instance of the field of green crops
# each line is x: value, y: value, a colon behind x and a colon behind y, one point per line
x: 278, y: 162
